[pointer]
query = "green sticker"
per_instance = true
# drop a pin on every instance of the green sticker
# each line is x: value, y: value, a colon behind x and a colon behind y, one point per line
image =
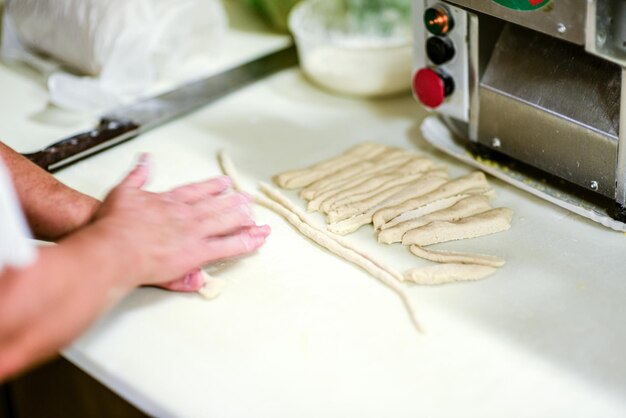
x: 523, y: 4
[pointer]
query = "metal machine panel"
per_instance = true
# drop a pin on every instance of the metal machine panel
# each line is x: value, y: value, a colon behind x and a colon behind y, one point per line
x: 549, y: 142
x: 458, y: 104
x: 557, y: 109
x: 606, y: 29
x: 564, y: 19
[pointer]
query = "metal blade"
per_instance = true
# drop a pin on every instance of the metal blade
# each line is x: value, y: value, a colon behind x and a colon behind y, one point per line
x: 127, y: 122
x: 155, y: 111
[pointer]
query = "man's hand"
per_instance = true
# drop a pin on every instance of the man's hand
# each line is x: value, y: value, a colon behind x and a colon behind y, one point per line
x: 135, y: 238
x: 170, y: 235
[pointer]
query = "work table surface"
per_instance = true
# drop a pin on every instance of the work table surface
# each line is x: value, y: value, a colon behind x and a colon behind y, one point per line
x: 300, y: 333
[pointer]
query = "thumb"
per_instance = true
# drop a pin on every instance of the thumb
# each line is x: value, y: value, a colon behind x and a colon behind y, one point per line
x: 192, y: 282
x: 138, y: 177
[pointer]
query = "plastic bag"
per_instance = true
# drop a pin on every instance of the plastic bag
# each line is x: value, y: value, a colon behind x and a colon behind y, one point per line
x: 109, y: 52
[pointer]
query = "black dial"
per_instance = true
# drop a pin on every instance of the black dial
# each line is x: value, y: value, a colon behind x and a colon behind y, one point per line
x: 439, y: 50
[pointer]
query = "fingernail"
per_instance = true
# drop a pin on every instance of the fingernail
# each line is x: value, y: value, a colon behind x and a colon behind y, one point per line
x: 244, y: 209
x: 250, y: 241
x: 143, y: 160
x: 226, y: 180
x: 241, y: 199
x: 248, y: 222
x: 188, y: 280
x: 246, y: 240
x: 263, y: 230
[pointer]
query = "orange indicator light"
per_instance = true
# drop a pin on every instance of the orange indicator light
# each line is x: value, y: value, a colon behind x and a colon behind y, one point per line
x: 438, y: 21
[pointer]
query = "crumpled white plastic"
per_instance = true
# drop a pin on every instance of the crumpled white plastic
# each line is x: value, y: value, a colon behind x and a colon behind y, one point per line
x: 109, y: 52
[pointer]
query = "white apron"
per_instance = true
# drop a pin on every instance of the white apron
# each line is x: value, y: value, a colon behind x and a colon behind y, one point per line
x: 17, y: 249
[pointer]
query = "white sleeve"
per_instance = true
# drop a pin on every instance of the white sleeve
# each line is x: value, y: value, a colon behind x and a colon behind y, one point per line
x: 16, y: 246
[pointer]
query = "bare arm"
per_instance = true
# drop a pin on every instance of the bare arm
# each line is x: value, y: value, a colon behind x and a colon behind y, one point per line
x: 53, y: 210
x: 136, y: 238
x: 43, y: 307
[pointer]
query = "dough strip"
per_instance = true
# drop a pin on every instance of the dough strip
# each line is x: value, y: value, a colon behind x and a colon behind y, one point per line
x: 326, y: 240
x: 467, y: 207
x: 454, y: 257
x: 448, y: 273
x: 280, y: 198
x: 476, y: 180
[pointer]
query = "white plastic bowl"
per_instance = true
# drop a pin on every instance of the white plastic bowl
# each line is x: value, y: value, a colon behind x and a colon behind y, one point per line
x: 353, y: 55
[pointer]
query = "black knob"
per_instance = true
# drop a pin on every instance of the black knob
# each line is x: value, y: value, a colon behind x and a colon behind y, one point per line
x: 439, y: 50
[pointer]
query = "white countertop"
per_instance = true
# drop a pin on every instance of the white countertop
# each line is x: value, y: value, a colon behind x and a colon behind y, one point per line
x: 298, y: 332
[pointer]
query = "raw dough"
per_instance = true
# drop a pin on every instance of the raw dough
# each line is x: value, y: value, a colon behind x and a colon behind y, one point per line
x: 448, y: 273
x: 304, y: 177
x: 316, y: 203
x: 424, y: 210
x: 359, y: 192
x: 385, y: 161
x: 384, y: 194
x: 425, y: 184
x: 401, y: 194
x: 278, y: 197
x: 310, y: 191
x: 477, y: 182
x: 359, y: 184
x: 212, y: 287
x: 325, y: 240
x: 463, y: 208
x: 329, y: 242
x: 392, y: 180
x: 489, y: 222
x: 456, y: 257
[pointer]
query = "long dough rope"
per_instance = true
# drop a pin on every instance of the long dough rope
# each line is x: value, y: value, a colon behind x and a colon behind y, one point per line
x: 325, y: 240
x: 278, y: 197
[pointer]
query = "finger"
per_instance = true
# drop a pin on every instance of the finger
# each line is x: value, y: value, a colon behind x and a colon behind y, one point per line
x: 260, y: 230
x: 226, y: 223
x: 192, y: 282
x: 212, y: 206
x: 192, y: 193
x: 138, y: 177
x: 235, y: 245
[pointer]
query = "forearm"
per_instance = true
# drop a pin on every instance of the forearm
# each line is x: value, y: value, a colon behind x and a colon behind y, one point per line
x: 53, y: 210
x: 44, y: 307
x: 136, y: 237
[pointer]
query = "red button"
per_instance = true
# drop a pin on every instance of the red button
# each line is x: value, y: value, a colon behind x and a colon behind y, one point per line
x: 429, y: 87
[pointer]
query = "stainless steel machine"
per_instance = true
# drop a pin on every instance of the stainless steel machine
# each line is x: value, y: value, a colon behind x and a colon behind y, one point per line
x: 531, y: 90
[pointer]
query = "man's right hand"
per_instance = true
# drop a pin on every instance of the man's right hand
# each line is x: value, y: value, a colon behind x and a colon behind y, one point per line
x: 135, y: 238
x: 170, y: 235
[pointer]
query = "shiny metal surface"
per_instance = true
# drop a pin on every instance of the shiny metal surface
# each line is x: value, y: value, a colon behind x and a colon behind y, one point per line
x: 556, y: 109
x: 485, y: 31
x: 564, y: 19
x: 128, y: 122
x: 586, y: 204
x: 158, y: 110
x: 474, y: 76
x: 606, y: 30
x: 548, y: 142
x: 620, y: 173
